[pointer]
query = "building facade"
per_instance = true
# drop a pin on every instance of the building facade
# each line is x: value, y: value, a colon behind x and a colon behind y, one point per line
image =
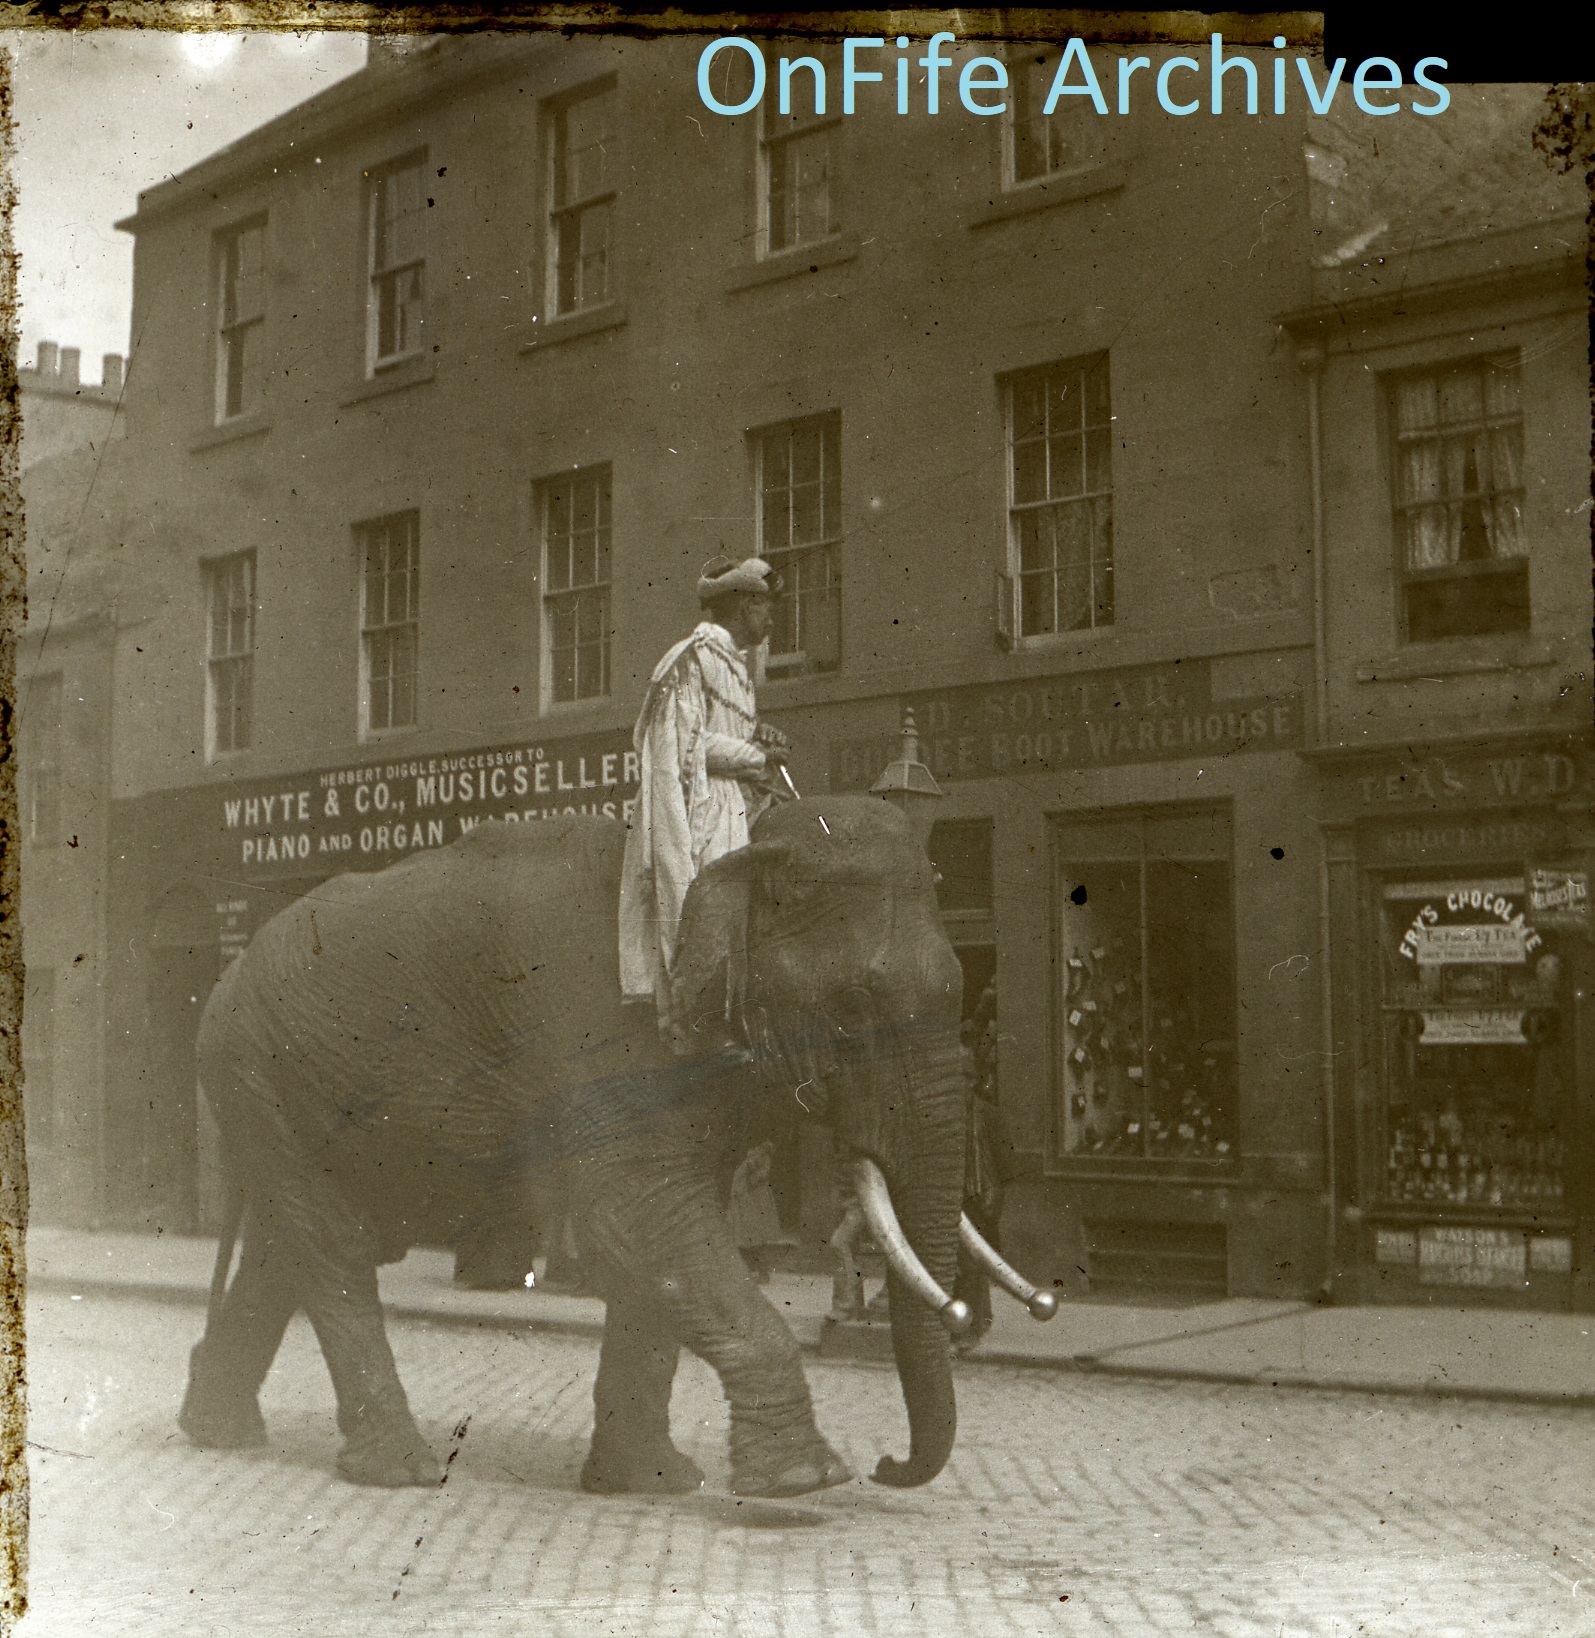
x: 453, y: 377
x: 1446, y: 352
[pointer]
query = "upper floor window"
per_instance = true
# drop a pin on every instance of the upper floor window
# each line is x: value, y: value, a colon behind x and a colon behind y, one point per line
x: 1458, y: 465
x: 1041, y: 144
x: 241, y: 309
x: 390, y: 620
x: 42, y: 758
x: 229, y: 653
x: 1060, y: 500
x: 799, y: 467
x: 576, y: 540
x: 582, y: 177
x: 796, y: 157
x: 396, y: 301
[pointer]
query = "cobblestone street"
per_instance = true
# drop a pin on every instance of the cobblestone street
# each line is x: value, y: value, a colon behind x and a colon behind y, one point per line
x: 1073, y: 1504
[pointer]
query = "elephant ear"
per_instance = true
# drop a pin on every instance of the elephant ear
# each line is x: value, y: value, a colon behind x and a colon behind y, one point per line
x: 708, y: 977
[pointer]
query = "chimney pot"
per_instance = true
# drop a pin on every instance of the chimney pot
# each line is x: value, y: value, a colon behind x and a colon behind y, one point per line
x: 111, y: 372
x: 71, y: 362
x: 49, y: 358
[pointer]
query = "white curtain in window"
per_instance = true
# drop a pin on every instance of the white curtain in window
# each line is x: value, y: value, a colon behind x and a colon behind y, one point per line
x: 1503, y: 516
x: 1432, y: 531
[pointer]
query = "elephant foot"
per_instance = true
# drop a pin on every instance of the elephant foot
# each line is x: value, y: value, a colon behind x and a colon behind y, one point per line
x: 661, y: 1471
x: 215, y: 1416
x: 820, y: 1470
x: 389, y: 1464
x: 213, y: 1424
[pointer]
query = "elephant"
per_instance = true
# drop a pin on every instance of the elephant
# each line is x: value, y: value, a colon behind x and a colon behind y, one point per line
x: 394, y: 1054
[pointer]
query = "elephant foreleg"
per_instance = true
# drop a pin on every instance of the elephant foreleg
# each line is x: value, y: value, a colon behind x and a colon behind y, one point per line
x: 675, y: 1257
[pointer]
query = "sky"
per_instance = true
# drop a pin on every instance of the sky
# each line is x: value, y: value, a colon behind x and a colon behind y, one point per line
x: 103, y: 114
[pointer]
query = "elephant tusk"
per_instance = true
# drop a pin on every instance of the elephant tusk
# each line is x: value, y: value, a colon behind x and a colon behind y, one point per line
x: 876, y: 1201
x: 1042, y: 1304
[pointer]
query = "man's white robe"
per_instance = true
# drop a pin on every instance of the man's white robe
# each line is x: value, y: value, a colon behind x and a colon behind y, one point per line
x: 694, y: 739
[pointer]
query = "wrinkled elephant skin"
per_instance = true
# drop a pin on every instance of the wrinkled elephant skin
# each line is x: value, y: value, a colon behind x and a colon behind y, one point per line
x: 395, y: 1055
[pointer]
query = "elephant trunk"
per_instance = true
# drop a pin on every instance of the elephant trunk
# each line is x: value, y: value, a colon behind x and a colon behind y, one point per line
x: 926, y: 1197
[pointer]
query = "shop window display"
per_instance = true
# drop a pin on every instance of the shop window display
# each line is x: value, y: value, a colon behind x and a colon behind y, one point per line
x: 1475, y: 1084
x: 1147, y: 987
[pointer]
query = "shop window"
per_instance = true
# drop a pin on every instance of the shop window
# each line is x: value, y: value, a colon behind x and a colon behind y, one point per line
x: 230, y: 653
x: 799, y: 476
x: 583, y: 170
x: 1458, y: 470
x: 396, y: 210
x: 241, y: 315
x: 576, y: 543
x: 390, y: 621
x: 797, y: 154
x: 1476, y: 1079
x: 42, y: 758
x: 1040, y: 144
x: 1060, y: 501
x: 1146, y: 986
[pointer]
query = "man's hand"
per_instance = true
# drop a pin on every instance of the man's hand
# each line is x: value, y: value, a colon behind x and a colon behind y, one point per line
x: 776, y: 746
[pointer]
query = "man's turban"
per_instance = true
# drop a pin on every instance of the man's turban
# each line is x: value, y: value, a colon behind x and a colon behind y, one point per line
x: 723, y: 576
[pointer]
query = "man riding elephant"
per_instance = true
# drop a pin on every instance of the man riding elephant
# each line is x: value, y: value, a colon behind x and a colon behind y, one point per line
x: 702, y: 757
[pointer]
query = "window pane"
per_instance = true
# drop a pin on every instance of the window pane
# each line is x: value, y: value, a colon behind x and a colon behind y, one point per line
x: 1104, y: 1037
x: 1029, y: 407
x: 582, y: 141
x: 799, y: 201
x: 1191, y: 1035
x: 1461, y: 397
x: 1035, y: 541
x: 1098, y: 411
x: 1065, y: 404
x: 1066, y: 458
x: 1029, y: 472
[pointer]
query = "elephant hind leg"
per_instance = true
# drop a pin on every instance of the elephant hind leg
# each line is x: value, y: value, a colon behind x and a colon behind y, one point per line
x: 631, y: 1449
x: 221, y: 1409
x: 336, y: 1263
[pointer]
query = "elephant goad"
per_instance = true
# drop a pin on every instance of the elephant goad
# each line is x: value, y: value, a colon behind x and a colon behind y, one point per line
x: 395, y: 1052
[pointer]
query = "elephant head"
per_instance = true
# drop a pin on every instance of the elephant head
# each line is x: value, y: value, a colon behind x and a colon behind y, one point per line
x: 822, y: 946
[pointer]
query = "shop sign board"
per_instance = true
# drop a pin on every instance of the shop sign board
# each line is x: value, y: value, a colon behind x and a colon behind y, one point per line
x: 1473, y: 1026
x: 1094, y: 719
x: 1470, y: 942
x: 1471, y: 1256
x: 371, y: 814
x: 1442, y: 782
x: 1560, y: 897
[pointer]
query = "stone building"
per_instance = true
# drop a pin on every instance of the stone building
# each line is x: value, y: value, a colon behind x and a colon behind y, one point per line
x: 60, y: 411
x: 452, y: 377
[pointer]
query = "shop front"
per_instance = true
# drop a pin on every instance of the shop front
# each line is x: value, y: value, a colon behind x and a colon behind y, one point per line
x: 196, y: 871
x: 1126, y: 873
x: 1457, y: 880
